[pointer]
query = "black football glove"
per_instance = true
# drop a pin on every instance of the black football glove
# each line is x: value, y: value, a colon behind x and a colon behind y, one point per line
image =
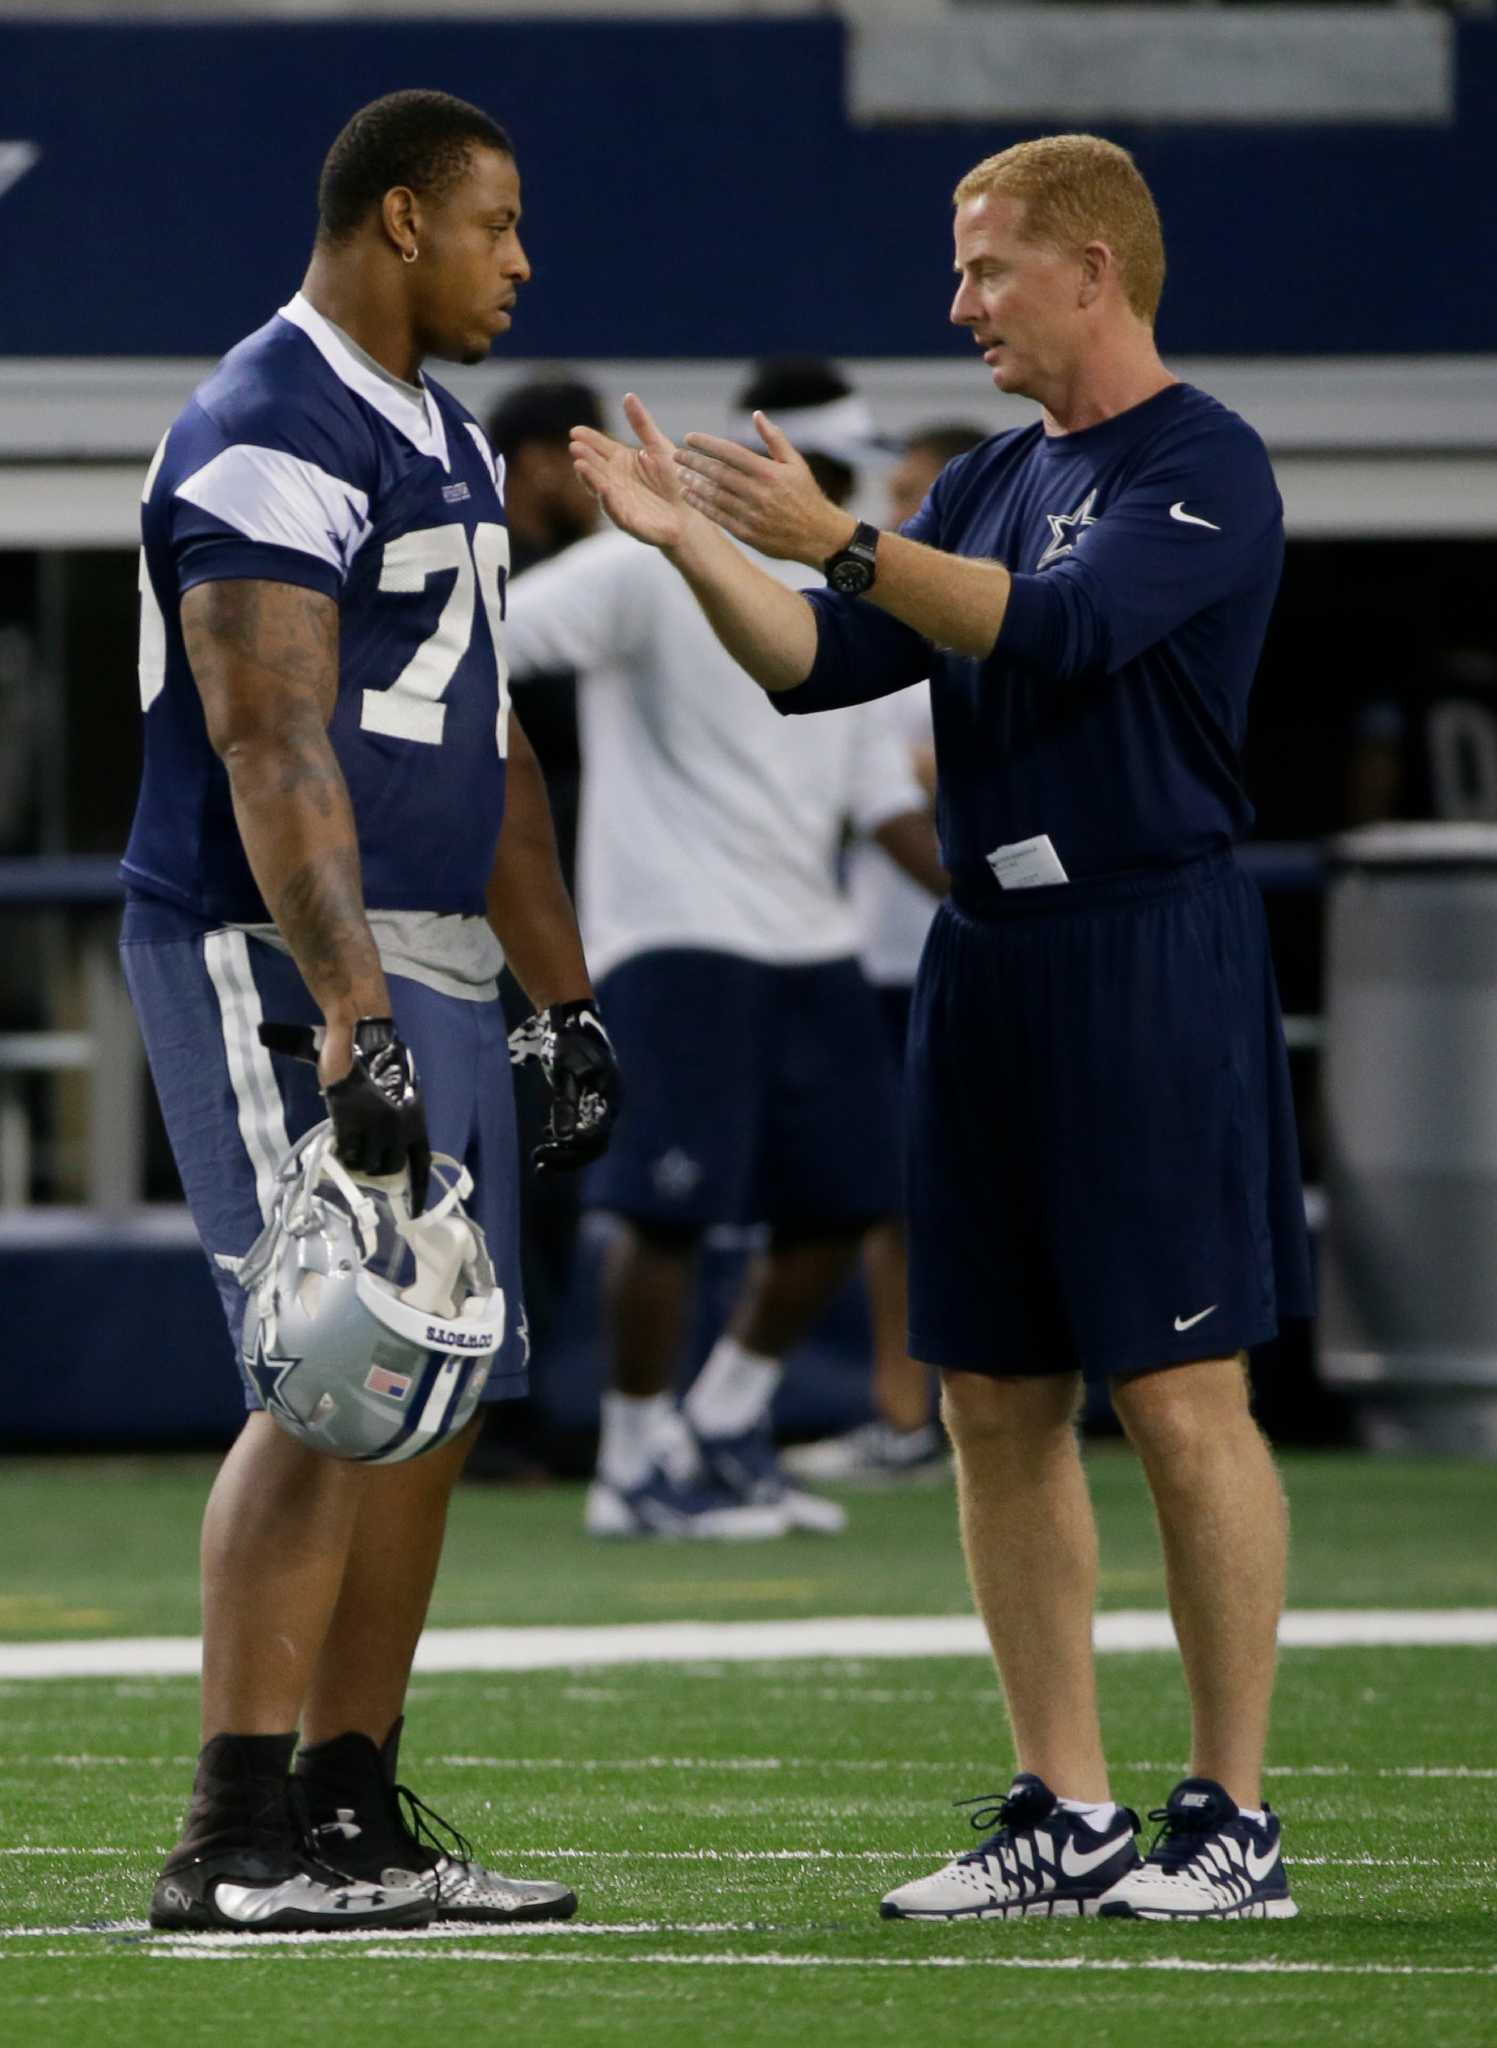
x: 379, y: 1119
x: 582, y: 1072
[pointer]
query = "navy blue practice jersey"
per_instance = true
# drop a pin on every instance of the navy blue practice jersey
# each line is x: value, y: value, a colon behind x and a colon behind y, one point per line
x: 1146, y: 553
x: 300, y: 461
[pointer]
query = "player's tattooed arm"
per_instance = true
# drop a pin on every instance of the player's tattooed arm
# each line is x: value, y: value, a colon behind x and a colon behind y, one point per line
x: 528, y: 905
x: 265, y: 656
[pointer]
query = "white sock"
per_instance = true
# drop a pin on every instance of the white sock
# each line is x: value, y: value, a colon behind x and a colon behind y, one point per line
x: 1259, y: 1814
x: 1097, y: 1814
x: 733, y: 1390
x: 632, y: 1425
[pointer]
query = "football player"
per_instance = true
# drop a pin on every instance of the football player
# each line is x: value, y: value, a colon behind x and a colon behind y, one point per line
x: 339, y: 826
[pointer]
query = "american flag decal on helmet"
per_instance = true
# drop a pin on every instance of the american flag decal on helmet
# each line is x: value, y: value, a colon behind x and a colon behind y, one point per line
x: 380, y: 1380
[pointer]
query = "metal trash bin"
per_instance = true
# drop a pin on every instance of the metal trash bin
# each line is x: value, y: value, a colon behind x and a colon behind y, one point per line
x: 1408, y: 1321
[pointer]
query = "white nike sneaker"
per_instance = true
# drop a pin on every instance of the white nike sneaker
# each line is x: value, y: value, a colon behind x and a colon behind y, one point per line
x: 1041, y: 1860
x: 878, y: 1454
x: 669, y: 1509
x: 1208, y: 1862
x: 748, y: 1467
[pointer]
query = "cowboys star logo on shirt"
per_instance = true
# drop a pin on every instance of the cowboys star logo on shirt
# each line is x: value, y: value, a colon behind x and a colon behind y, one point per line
x: 1063, y: 528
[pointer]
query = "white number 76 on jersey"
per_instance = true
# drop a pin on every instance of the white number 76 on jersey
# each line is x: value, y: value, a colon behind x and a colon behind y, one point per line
x: 411, y: 708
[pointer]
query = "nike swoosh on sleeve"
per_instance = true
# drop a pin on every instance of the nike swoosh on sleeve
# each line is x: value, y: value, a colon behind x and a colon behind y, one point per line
x: 1178, y: 511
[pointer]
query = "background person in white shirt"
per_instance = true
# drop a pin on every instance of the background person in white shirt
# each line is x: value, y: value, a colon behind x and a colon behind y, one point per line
x: 546, y: 508
x: 760, y: 1087
x: 903, y: 1440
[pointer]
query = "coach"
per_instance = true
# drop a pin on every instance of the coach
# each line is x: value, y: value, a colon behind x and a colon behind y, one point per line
x: 1104, y: 1180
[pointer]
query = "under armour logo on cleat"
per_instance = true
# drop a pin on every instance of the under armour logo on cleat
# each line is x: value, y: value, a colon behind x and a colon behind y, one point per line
x: 345, y: 1825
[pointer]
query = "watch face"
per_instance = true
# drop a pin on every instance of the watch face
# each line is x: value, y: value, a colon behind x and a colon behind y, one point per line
x: 850, y: 578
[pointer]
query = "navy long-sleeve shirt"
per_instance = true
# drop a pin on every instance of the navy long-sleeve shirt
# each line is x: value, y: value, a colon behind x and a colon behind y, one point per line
x: 1146, y: 553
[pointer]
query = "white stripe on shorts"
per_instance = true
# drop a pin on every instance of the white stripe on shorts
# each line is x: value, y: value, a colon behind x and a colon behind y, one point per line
x: 262, y: 1117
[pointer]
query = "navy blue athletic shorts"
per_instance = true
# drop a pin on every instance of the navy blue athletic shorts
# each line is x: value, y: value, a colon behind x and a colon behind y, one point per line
x: 754, y: 1094
x: 233, y: 1112
x: 1103, y: 1169
x: 894, y: 999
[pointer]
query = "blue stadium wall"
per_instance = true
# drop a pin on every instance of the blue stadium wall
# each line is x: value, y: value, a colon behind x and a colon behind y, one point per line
x: 692, y: 189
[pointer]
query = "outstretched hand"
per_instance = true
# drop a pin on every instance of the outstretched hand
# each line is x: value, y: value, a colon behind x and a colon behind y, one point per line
x: 771, y: 501
x: 639, y: 488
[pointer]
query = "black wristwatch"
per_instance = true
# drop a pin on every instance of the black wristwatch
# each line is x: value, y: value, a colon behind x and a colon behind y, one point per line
x: 850, y: 572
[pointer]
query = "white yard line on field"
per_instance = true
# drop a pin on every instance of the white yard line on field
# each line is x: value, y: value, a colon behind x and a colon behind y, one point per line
x: 634, y: 1766
x: 630, y: 1766
x: 496, y: 1944
x: 828, y: 1639
x: 1264, y: 1967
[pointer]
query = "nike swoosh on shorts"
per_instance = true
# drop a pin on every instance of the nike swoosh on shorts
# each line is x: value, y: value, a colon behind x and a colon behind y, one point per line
x: 1189, y: 1322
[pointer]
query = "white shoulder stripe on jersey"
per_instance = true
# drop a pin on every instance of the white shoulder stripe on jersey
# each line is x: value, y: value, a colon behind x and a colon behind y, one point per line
x: 262, y: 1117
x: 416, y: 415
x: 495, y: 462
x: 149, y: 484
x: 151, y: 661
x: 284, y: 501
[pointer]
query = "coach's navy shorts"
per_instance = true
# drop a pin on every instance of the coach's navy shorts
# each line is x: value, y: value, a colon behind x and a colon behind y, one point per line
x: 1103, y: 1169
x: 755, y: 1094
x: 233, y: 1112
x: 894, y: 1000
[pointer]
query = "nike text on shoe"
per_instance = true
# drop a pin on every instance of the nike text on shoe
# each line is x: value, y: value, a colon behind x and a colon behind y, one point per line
x: 670, y: 1509
x: 1208, y: 1862
x: 1041, y: 1859
x: 377, y: 1830
x: 748, y: 1467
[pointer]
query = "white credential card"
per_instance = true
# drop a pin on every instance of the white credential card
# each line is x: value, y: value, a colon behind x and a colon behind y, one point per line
x: 1027, y: 863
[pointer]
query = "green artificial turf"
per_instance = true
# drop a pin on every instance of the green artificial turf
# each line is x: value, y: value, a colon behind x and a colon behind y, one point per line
x: 735, y: 1824
x: 98, y: 1547
x: 670, y: 1796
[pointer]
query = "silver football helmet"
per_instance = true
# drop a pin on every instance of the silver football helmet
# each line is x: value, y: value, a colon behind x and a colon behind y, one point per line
x: 369, y: 1332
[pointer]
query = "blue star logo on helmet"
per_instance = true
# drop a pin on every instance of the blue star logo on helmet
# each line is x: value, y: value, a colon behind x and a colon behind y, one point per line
x: 369, y: 1332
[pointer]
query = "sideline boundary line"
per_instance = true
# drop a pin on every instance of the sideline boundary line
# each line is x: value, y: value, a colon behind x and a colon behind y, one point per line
x: 830, y: 1639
